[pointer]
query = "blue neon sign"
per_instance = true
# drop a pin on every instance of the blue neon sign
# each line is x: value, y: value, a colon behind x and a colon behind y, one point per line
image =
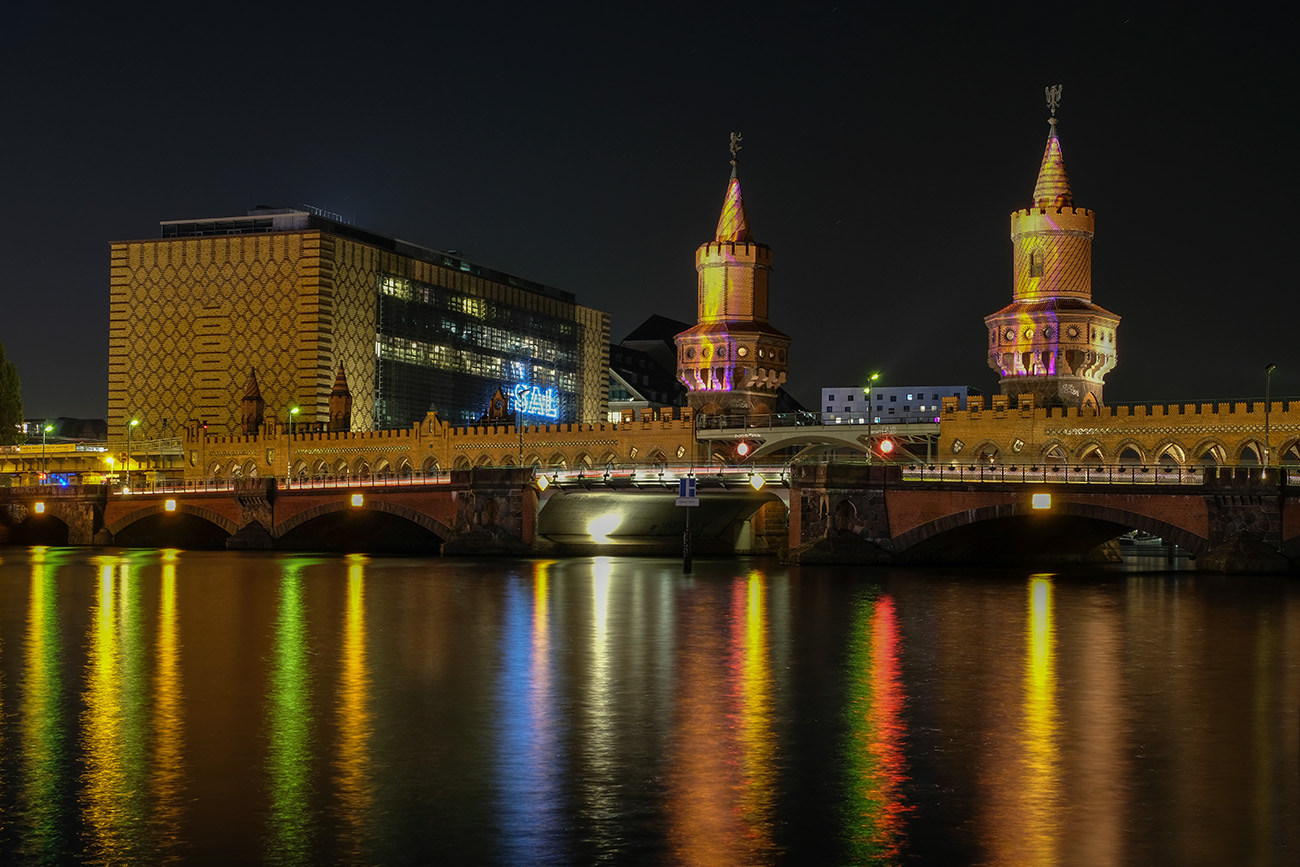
x: 531, y: 400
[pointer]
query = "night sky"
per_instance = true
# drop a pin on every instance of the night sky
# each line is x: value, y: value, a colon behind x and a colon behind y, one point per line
x: 885, y: 146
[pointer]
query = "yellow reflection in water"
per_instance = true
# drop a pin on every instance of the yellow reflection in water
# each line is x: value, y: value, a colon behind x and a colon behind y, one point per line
x: 756, y: 739
x: 355, y: 786
x: 41, y: 726
x: 114, y: 734
x: 289, y: 712
x: 1041, y: 784
x: 169, y: 749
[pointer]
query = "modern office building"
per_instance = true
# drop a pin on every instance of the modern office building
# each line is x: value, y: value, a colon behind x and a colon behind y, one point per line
x: 296, y: 294
x: 890, y: 404
x: 642, y: 371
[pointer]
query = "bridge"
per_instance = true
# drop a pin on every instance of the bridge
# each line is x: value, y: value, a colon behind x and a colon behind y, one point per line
x: 812, y: 512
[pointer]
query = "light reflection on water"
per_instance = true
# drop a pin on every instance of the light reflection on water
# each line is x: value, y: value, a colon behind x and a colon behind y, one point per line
x: 171, y: 705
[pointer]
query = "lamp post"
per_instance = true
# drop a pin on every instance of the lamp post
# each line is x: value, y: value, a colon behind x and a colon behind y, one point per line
x: 867, y: 391
x: 293, y: 411
x: 133, y: 423
x: 45, y: 429
x: 1268, y: 375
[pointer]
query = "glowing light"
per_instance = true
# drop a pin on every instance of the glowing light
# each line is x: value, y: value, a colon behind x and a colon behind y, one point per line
x: 289, y: 723
x: 355, y: 787
x: 1042, y: 501
x: 886, y: 446
x: 543, y: 483
x: 600, y: 527
x: 756, y: 482
x: 169, y: 505
x: 358, y: 500
x: 40, y: 508
x: 533, y: 400
x: 742, y: 448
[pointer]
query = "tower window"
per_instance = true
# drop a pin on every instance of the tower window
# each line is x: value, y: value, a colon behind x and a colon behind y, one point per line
x: 1035, y: 263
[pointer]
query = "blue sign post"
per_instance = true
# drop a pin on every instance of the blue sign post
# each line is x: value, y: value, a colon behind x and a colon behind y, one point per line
x: 686, y: 497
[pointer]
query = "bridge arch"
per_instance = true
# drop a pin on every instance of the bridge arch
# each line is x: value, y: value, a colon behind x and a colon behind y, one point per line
x: 1090, y: 452
x: 1169, y: 452
x: 932, y: 530
x: 1248, y: 452
x: 1054, y: 451
x: 1129, y: 452
x: 1288, y: 452
x: 226, y: 525
x: 1210, y: 450
x: 430, y: 466
x: 433, y: 525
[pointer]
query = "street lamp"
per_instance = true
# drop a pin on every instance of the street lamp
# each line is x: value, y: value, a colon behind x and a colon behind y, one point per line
x: 1268, y: 375
x: 293, y: 411
x: 134, y: 423
x: 867, y: 391
x: 45, y: 429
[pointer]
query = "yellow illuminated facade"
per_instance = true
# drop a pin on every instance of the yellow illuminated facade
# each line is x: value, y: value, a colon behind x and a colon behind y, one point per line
x: 1052, y: 342
x: 732, y: 360
x: 293, y: 295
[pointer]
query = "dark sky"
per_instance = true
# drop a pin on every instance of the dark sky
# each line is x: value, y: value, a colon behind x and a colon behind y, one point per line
x: 885, y: 147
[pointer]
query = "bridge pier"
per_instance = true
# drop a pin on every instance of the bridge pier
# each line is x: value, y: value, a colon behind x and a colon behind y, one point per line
x: 1246, y: 509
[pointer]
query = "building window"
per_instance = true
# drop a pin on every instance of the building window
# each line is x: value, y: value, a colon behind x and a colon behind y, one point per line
x: 849, y: 398
x: 1035, y: 263
x: 893, y: 398
x: 830, y: 409
x: 830, y: 397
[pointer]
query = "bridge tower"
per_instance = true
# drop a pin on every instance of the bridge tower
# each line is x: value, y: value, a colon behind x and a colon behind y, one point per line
x: 1052, y: 342
x: 732, y: 361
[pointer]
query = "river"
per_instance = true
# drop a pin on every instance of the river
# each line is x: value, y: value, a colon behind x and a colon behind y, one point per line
x: 163, y: 706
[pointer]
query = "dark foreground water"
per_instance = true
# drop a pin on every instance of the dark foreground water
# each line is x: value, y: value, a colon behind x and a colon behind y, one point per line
x: 164, y: 706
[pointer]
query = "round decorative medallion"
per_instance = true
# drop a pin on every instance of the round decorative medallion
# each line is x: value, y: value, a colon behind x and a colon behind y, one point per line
x: 1010, y: 334
x: 690, y: 352
x: 704, y: 353
x: 1047, y: 332
x: 762, y: 352
x: 1029, y: 334
x: 743, y: 351
x: 1072, y: 332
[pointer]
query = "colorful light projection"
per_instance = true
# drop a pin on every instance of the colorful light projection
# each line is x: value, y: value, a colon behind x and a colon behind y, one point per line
x: 289, y: 722
x: 41, y: 812
x: 530, y: 809
x: 535, y: 400
x: 722, y: 789
x: 352, y: 764
x: 876, y: 733
x: 114, y: 737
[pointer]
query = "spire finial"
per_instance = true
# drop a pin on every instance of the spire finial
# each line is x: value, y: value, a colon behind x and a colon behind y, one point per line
x: 735, y: 152
x: 1053, y: 100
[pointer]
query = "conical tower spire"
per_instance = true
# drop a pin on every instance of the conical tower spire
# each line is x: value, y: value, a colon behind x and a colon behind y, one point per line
x: 733, y: 224
x: 340, y: 402
x: 1053, y: 187
x: 252, y: 408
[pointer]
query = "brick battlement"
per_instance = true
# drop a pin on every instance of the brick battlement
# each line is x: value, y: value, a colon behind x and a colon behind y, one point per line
x: 1036, y: 212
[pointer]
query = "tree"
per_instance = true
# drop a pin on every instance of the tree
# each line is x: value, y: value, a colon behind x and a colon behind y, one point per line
x: 11, y: 403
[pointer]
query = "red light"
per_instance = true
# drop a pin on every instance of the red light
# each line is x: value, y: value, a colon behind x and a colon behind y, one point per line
x: 886, y: 446
x: 742, y: 449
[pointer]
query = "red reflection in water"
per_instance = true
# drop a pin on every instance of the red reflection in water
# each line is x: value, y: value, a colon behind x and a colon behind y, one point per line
x: 876, y: 737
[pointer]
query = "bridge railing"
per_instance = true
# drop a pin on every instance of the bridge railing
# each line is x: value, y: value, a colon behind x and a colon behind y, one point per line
x: 1118, y: 474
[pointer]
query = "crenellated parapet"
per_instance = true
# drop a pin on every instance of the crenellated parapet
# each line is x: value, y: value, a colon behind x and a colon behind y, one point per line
x: 432, y: 447
x: 1188, y: 435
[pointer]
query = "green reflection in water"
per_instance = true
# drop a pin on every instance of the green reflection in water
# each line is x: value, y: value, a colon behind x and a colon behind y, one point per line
x: 43, y: 737
x: 289, y: 721
x: 114, y: 730
x: 874, y: 760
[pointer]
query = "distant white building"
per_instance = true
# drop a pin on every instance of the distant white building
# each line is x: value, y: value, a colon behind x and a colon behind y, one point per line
x: 889, y: 404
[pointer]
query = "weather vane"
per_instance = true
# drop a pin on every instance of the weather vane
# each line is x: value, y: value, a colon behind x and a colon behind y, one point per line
x: 1053, y: 97
x: 735, y: 148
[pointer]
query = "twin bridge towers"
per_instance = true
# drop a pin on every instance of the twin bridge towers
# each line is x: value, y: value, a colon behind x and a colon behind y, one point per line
x: 1050, y: 342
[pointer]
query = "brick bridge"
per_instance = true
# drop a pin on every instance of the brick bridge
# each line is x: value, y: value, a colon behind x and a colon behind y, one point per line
x: 1230, y: 519
x: 838, y: 513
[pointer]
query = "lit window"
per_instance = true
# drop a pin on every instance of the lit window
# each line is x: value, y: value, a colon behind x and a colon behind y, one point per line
x: 1036, y: 263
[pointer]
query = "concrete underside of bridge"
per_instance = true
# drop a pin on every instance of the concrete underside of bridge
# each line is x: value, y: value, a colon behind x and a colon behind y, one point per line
x: 585, y: 522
